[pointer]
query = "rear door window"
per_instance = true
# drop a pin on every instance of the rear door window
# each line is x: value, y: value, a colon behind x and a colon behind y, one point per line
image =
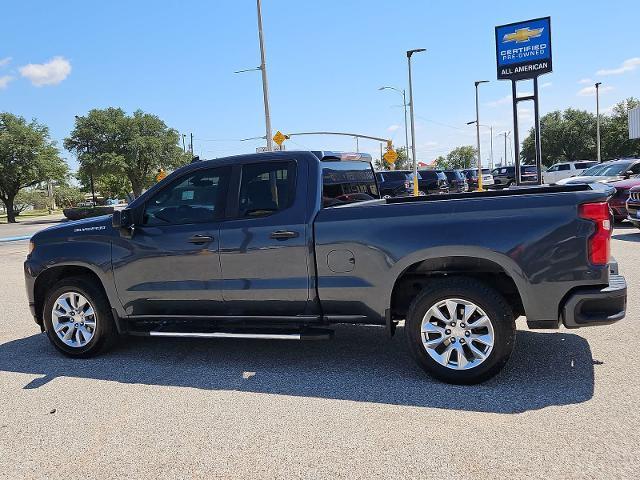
x: 349, y: 181
x: 266, y: 188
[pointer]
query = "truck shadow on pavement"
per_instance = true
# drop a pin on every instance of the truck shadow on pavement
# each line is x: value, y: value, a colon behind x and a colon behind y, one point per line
x: 360, y: 364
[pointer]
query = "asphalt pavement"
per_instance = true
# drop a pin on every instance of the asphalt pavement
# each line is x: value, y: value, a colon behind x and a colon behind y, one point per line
x: 566, y: 405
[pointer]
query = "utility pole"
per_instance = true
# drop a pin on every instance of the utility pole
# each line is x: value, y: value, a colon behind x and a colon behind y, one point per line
x: 505, y: 134
x: 191, y: 145
x: 598, y: 119
x: 184, y: 148
x: 93, y: 190
x: 413, y: 130
x: 478, y: 135
x: 406, y: 125
x: 265, y: 83
x: 491, y: 133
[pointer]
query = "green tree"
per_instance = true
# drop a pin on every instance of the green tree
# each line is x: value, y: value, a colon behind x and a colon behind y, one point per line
x: 460, y: 157
x: 108, y: 184
x: 27, y: 157
x: 109, y: 142
x: 67, y: 196
x: 401, y: 163
x: 26, y: 198
x: 565, y: 136
x: 614, y: 132
x: 441, y: 162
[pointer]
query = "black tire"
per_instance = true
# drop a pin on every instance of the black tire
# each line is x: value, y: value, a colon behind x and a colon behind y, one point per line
x: 488, y: 299
x: 105, y: 333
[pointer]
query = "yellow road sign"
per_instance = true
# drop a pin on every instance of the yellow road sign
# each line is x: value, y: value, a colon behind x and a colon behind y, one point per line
x: 279, y: 137
x: 390, y: 156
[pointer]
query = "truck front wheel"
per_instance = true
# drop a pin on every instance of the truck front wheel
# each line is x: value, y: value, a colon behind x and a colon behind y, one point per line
x: 77, y: 317
x: 460, y: 330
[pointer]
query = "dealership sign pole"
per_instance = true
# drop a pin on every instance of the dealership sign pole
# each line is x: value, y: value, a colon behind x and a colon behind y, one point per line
x: 523, y: 52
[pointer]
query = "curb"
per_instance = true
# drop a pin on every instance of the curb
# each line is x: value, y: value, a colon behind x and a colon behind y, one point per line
x: 15, y: 239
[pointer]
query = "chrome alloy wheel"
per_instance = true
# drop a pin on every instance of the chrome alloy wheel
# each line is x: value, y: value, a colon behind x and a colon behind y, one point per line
x: 457, y: 334
x: 73, y: 319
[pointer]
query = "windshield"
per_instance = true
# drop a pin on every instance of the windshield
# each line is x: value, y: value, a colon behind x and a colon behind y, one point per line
x: 607, y: 170
x: 347, y: 182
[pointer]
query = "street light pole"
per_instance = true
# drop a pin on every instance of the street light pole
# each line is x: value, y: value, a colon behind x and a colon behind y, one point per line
x: 406, y: 127
x: 598, y: 119
x: 265, y: 84
x: 413, y: 130
x: 491, y: 133
x: 490, y: 127
x: 478, y: 135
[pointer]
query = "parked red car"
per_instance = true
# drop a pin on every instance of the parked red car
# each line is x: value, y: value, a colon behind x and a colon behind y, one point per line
x: 618, y: 203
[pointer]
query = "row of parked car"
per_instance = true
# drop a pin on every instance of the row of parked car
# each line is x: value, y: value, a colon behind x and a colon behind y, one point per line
x: 399, y: 183
x: 623, y: 175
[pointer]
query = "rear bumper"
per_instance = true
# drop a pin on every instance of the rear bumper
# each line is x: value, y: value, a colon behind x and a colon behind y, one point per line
x: 596, y: 306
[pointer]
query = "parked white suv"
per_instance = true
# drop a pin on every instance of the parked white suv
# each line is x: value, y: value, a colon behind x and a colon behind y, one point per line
x: 565, y: 170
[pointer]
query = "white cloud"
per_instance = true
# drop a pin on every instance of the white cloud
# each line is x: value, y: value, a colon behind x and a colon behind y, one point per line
x: 4, y: 81
x: 627, y: 66
x: 546, y: 85
x: 507, y: 99
x: 50, y: 73
x: 584, y: 81
x: 501, y: 101
x: 5, y: 61
x: 591, y: 91
x: 525, y: 114
x: 393, y: 128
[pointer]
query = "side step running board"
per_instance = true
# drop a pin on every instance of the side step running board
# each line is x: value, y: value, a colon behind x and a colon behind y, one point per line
x: 301, y: 335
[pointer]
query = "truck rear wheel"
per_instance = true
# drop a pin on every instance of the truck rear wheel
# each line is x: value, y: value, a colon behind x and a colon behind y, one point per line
x: 77, y: 317
x: 460, y: 330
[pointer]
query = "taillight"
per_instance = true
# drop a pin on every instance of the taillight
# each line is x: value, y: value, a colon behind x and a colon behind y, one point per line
x: 599, y: 242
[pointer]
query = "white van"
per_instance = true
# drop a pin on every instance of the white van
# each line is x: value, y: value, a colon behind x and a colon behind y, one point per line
x: 565, y: 170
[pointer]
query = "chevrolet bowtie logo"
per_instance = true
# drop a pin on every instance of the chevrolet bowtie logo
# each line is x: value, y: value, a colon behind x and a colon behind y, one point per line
x: 522, y: 35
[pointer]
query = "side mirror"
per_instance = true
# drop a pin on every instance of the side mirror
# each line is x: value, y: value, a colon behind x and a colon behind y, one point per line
x: 121, y: 219
x: 628, y: 173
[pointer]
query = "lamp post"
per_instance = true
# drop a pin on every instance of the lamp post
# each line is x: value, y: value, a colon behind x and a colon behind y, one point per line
x: 265, y: 83
x: 476, y: 83
x: 598, y: 119
x: 406, y: 128
x: 93, y: 191
x: 490, y: 127
x: 413, y: 130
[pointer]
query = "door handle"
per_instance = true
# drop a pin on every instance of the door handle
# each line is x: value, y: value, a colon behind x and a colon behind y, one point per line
x: 199, y: 239
x: 283, y: 234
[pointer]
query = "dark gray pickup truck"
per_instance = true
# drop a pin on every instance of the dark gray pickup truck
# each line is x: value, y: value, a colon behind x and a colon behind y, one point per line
x: 281, y: 245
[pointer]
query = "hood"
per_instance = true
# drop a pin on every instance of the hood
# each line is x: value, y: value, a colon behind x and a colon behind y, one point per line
x: 96, y: 225
x: 587, y: 179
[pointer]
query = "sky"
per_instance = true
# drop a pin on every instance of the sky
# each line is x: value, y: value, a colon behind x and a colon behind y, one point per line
x: 325, y: 62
